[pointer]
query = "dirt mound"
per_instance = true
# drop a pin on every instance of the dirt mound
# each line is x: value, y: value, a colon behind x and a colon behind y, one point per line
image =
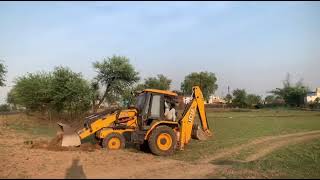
x: 89, y: 147
x: 55, y: 145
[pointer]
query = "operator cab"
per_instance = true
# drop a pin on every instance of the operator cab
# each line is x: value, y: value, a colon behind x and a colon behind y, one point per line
x: 150, y: 104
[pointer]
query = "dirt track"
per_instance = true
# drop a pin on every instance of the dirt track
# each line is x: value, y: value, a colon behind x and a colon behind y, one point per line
x: 264, y: 146
x: 19, y: 160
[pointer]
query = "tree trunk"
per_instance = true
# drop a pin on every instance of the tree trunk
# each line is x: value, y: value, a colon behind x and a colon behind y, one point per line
x: 96, y: 106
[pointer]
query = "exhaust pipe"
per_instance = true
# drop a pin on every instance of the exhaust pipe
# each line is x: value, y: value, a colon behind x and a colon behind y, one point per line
x: 69, y: 136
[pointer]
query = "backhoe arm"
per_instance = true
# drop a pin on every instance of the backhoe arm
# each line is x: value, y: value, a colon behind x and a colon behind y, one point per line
x: 187, y: 121
x: 201, y: 110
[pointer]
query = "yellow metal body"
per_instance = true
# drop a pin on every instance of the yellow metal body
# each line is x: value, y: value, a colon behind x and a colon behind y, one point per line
x: 114, y: 143
x: 184, y: 129
x: 105, y: 123
x: 187, y: 121
x: 164, y: 145
x: 106, y: 131
x: 104, y: 126
x: 157, y: 123
x: 161, y: 92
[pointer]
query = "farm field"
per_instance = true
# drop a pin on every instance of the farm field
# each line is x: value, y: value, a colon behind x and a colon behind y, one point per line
x: 209, y: 90
x: 275, y: 143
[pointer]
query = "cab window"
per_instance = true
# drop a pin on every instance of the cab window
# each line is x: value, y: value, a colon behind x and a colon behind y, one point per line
x: 155, y: 107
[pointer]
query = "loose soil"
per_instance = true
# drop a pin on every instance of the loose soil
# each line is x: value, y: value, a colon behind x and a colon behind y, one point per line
x: 55, y: 145
x: 25, y: 156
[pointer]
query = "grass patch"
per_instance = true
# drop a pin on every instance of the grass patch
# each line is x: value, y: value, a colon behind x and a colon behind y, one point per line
x: 41, y: 130
x: 31, y: 125
x: 295, y: 161
x: 233, y: 128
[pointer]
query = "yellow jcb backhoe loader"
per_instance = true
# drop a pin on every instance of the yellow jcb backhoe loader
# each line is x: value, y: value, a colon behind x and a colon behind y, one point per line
x: 144, y: 124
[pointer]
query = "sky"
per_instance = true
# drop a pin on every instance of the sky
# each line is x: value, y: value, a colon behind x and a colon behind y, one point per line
x: 248, y: 45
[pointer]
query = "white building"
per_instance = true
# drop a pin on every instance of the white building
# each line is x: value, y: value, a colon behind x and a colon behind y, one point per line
x: 186, y: 100
x: 212, y: 100
x: 216, y: 100
x: 312, y: 96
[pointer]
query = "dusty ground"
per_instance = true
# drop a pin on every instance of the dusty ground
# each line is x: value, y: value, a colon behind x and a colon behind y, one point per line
x: 23, y: 156
x: 20, y: 160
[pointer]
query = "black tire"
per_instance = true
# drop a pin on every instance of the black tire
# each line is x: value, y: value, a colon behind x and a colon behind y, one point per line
x: 97, y: 140
x: 144, y: 147
x: 153, y: 141
x: 118, y: 141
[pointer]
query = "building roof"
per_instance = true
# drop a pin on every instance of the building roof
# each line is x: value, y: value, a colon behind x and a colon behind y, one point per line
x: 161, y: 92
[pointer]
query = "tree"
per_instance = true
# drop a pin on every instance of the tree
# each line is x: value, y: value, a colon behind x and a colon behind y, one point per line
x: 3, y: 71
x: 128, y: 97
x: 61, y: 90
x: 228, y: 98
x: 32, y: 91
x: 315, y: 104
x: 253, y: 100
x: 11, y: 98
x: 139, y: 87
x: 95, y: 87
x: 69, y: 91
x: 317, y: 100
x: 160, y: 82
x: 269, y: 99
x: 205, y: 80
x: 4, y: 108
x: 239, y: 98
x: 114, y: 75
x: 293, y: 95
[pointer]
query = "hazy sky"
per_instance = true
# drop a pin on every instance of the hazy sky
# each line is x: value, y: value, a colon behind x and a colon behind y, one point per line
x: 249, y: 45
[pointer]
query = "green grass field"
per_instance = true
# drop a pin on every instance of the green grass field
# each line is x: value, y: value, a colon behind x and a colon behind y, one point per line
x: 235, y: 128
x: 232, y: 128
x: 298, y: 161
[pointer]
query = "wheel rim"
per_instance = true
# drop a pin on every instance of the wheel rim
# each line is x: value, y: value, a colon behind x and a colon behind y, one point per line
x: 114, y: 143
x: 164, y: 141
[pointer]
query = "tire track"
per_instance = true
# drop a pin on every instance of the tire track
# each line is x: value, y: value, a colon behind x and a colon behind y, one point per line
x: 260, y: 141
x: 265, y: 150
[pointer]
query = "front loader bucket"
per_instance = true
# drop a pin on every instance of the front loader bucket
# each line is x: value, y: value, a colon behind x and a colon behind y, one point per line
x: 69, y: 136
x: 199, y: 134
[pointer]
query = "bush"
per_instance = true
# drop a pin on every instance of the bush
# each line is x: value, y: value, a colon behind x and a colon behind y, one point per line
x: 4, y: 108
x: 61, y: 91
x: 315, y: 104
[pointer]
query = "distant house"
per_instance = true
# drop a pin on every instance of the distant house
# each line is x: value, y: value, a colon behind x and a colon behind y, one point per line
x: 212, y: 100
x: 186, y: 100
x: 312, y: 96
x: 216, y: 100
